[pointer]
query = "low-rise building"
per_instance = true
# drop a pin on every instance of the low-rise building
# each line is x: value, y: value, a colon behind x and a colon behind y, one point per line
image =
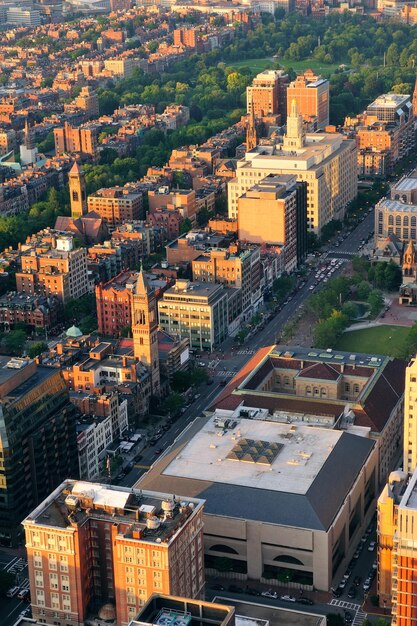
x: 36, y: 311
x: 196, y: 311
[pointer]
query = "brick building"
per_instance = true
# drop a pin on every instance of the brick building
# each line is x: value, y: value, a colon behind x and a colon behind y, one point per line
x: 116, y: 205
x: 34, y: 311
x: 311, y: 92
x: 89, y: 545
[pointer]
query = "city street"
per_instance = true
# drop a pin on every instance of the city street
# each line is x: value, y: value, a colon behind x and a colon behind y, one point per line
x: 11, y: 608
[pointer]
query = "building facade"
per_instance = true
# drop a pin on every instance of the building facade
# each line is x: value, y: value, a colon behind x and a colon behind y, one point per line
x: 37, y: 441
x: 268, y: 94
x: 90, y: 545
x: 196, y: 311
x: 116, y: 205
x: 311, y: 93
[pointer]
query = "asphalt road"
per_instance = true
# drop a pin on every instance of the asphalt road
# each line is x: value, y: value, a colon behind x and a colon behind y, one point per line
x: 232, y: 359
x: 11, y: 608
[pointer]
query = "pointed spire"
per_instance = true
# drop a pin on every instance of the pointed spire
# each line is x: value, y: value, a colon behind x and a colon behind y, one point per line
x: 141, y: 286
x: 294, y: 108
x: 75, y: 169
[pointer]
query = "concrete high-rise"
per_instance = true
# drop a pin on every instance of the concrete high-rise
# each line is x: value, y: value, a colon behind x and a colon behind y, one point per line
x: 38, y: 445
x: 101, y: 551
x: 325, y: 161
x: 397, y: 521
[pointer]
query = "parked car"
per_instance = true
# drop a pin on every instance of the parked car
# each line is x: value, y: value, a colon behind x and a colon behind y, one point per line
x: 286, y: 598
x: 159, y: 451
x: 337, y: 592
x: 348, y: 617
x: 235, y: 589
x: 252, y: 592
x: 217, y: 587
x: 269, y: 594
x: 305, y: 601
x: 371, y: 546
x: 357, y: 581
x: 23, y: 594
x: 13, y: 591
x: 352, y: 593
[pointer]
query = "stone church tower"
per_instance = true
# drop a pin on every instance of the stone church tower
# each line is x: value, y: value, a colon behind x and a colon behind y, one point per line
x: 78, y: 193
x: 145, y: 329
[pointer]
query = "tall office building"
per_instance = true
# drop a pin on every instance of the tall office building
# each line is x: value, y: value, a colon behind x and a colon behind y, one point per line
x: 101, y: 551
x: 274, y: 211
x: 325, y: 161
x: 397, y: 521
x: 268, y: 94
x: 38, y: 445
x: 312, y: 95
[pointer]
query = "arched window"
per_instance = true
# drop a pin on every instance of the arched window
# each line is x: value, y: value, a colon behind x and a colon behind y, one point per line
x: 323, y: 392
x: 316, y: 391
x: 286, y: 380
x: 347, y: 387
x: 278, y: 380
x: 308, y: 390
x: 405, y: 220
x: 356, y: 388
x: 380, y: 216
x: 391, y: 220
x: 398, y: 220
x: 286, y: 558
x: 226, y: 549
x: 413, y: 221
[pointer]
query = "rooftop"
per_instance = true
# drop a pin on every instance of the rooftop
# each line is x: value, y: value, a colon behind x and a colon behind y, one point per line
x: 143, y: 515
x: 286, y: 490
x: 389, y: 101
x: 274, y: 616
x: 258, y: 454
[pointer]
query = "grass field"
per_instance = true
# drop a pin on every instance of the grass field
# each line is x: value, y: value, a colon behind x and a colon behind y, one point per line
x: 375, y: 340
x: 257, y: 65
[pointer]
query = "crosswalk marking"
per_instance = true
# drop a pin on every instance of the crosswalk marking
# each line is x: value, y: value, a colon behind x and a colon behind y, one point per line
x: 344, y: 604
x: 246, y: 351
x: 227, y: 374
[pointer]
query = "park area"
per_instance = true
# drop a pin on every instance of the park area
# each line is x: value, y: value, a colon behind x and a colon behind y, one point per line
x: 258, y: 65
x: 382, y: 339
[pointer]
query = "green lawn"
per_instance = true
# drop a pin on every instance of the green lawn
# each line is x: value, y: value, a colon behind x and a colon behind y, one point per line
x: 374, y: 340
x: 257, y: 65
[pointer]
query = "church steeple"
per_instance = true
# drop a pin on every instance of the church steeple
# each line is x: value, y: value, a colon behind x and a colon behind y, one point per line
x: 251, y: 133
x: 295, y: 137
x: 78, y: 193
x: 145, y: 329
x: 28, y: 138
x: 415, y: 99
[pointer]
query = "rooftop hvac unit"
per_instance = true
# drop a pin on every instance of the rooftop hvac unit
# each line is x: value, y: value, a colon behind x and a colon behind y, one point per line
x: 152, y: 523
x: 72, y: 502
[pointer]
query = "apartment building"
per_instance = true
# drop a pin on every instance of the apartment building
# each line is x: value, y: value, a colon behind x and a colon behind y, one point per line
x: 181, y: 200
x: 384, y: 134
x: 116, y: 205
x: 274, y: 211
x: 311, y: 92
x: 38, y: 440
x: 327, y: 163
x: 87, y: 101
x: 54, y: 271
x: 268, y: 94
x: 237, y: 266
x: 103, y: 419
x: 91, y: 545
x: 121, y: 66
x: 76, y: 140
x: 7, y: 141
x: 196, y: 311
x: 35, y: 311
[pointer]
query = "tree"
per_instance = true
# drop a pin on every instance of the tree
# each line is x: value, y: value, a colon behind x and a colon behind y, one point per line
x: 376, y: 302
x: 203, y: 217
x: 334, y: 619
x: 363, y: 290
x: 37, y: 348
x: 186, y: 226
x: 14, y: 341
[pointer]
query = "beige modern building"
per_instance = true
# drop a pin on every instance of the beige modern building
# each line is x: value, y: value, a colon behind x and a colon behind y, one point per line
x: 326, y: 162
x: 274, y: 211
x: 90, y: 545
x: 273, y: 503
x: 196, y: 311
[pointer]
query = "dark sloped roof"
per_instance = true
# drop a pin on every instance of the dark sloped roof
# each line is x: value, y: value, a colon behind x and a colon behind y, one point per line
x: 385, y: 394
x: 282, y: 403
x: 260, y: 375
x: 320, y: 371
x: 315, y: 510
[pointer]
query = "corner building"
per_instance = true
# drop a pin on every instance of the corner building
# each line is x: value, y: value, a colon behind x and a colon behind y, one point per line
x: 91, y: 545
